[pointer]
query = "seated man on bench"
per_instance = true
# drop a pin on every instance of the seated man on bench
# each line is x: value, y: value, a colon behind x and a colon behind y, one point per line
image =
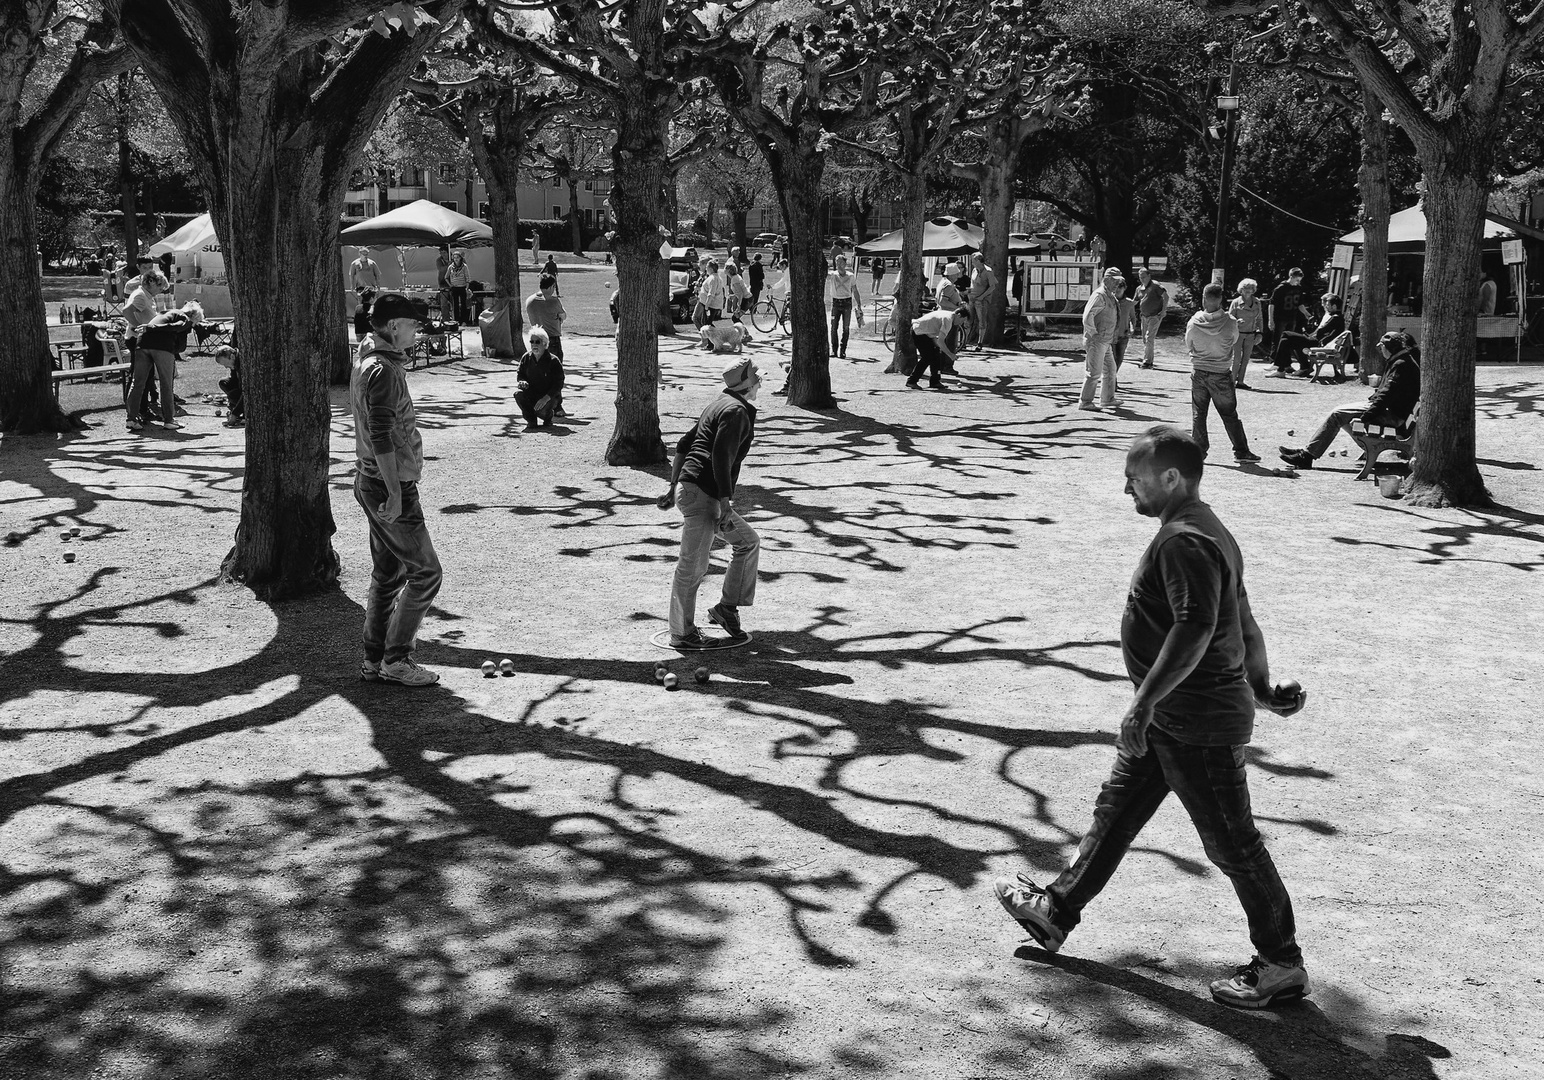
x: 1293, y: 344
x: 1390, y: 405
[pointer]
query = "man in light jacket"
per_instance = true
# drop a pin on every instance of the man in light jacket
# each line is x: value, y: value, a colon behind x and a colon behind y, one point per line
x: 1100, y: 315
x: 1211, y: 337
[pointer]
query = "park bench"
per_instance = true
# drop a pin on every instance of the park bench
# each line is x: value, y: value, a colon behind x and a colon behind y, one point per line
x: 1336, y: 354
x: 1376, y: 438
x: 85, y: 374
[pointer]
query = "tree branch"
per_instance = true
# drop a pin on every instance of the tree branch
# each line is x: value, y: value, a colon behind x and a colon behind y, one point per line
x: 91, y: 64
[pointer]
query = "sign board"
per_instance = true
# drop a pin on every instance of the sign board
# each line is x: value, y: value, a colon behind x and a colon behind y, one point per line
x: 1344, y: 253
x: 1512, y: 252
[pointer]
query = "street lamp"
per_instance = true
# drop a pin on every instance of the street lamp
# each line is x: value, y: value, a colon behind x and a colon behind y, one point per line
x: 1228, y: 104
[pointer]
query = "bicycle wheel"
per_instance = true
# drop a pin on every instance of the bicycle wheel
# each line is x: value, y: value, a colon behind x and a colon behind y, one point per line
x: 764, y: 316
x: 887, y: 333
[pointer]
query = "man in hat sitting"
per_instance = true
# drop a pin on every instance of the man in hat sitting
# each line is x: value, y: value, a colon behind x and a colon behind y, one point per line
x: 706, y: 468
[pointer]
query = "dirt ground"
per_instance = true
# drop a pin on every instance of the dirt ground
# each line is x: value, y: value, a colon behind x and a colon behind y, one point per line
x: 223, y: 856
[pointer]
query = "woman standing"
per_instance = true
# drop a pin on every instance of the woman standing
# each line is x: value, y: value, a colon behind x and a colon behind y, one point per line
x: 1250, y: 314
x: 844, y: 290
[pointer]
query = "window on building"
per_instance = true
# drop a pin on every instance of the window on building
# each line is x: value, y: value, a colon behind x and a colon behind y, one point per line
x: 557, y: 213
x: 449, y: 174
x: 482, y: 211
x: 589, y: 217
x: 589, y: 185
x: 451, y: 204
x: 413, y: 177
x: 557, y: 181
x: 354, y: 209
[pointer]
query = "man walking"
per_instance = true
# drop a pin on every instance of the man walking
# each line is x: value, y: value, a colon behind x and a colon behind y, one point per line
x: 405, y: 574
x: 707, y: 468
x: 1099, y: 317
x: 1211, y: 338
x: 1197, y: 658
x: 1152, y: 303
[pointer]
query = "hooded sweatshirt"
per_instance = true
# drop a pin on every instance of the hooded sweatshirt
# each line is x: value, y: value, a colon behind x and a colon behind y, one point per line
x: 1210, y: 337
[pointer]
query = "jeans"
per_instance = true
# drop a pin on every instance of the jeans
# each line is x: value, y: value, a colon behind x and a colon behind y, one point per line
x: 1099, y: 366
x: 929, y: 359
x: 1214, y: 790
x: 526, y: 402
x: 405, y: 573
x: 235, y: 397
x: 1209, y: 388
x: 1118, y: 351
x: 841, y: 315
x: 164, y: 366
x: 1337, y: 421
x: 699, y: 529
x: 1291, y: 344
x: 1150, y: 325
x: 1242, y: 354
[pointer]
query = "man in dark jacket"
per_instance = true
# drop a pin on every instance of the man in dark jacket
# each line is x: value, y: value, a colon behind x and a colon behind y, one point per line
x: 1391, y: 403
x: 707, y: 467
x: 539, y: 382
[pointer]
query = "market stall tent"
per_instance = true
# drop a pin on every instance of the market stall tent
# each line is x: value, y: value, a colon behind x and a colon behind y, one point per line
x: 195, y: 248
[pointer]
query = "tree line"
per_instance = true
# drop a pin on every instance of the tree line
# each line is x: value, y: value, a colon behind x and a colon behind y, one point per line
x: 1102, y: 110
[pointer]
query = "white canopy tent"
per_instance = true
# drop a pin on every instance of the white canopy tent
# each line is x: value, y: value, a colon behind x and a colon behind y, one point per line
x: 195, y: 247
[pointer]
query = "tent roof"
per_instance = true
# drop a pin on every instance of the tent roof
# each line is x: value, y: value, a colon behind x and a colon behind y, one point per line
x: 418, y: 224
x: 1408, y: 227
x: 942, y: 236
x: 194, y: 235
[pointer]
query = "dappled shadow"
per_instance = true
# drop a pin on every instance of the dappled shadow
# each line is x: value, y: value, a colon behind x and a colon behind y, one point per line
x: 1477, y: 536
x: 1299, y: 1040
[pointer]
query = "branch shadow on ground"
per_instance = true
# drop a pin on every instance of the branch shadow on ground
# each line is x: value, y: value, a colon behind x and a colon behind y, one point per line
x: 1297, y: 1040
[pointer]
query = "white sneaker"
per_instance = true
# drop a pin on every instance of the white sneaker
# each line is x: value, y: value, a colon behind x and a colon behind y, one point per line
x: 407, y: 673
x: 1260, y: 982
x: 1030, y: 905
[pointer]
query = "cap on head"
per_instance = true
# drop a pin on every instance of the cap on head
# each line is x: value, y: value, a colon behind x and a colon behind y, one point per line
x: 740, y: 375
x: 952, y: 270
x: 389, y: 306
x: 1111, y: 272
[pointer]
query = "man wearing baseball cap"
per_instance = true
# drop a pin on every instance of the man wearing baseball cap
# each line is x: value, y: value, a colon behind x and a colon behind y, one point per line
x: 406, y: 571
x: 707, y: 467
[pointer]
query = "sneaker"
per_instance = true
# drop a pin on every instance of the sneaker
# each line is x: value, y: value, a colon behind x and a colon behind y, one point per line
x: 1031, y: 906
x: 1113, y: 403
x: 369, y: 670
x: 1298, y: 459
x: 1260, y: 982
x: 407, y: 673
x: 134, y: 425
x: 913, y: 386
x: 727, y: 617
x: 1276, y: 374
x: 1242, y: 386
x: 1089, y: 408
x: 691, y: 640
x: 1245, y: 455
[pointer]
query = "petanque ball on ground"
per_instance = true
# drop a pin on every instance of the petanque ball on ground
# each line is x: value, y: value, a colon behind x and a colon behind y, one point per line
x: 660, y: 672
x: 671, y: 682
x: 507, y: 666
x: 489, y: 667
x: 701, y: 674
x: 69, y: 556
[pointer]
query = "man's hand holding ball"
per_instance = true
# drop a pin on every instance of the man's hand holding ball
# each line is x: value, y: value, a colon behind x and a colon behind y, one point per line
x: 1285, y: 698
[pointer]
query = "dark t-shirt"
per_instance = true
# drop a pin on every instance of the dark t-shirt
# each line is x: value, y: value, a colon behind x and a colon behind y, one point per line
x: 1193, y: 572
x: 1285, y: 300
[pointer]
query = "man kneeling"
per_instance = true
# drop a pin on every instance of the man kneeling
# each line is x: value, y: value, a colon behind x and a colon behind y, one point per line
x: 539, y: 389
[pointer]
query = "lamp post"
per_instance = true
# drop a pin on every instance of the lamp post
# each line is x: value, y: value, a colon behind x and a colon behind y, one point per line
x: 1228, y: 103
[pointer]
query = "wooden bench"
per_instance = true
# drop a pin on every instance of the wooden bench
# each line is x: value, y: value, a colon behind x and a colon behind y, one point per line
x: 1336, y: 354
x: 84, y: 374
x: 1376, y: 438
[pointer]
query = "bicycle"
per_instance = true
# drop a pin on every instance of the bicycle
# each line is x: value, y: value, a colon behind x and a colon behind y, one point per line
x: 769, y: 313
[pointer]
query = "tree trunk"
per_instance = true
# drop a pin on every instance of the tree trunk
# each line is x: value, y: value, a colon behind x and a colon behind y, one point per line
x: 573, y: 214
x: 741, y: 236
x: 638, y: 161
x: 1373, y: 180
x: 1457, y: 186
x: 281, y: 244
x: 26, y: 392
x: 797, y: 177
x: 860, y: 219
x: 342, y: 354
x: 996, y: 188
x: 908, y: 301
x: 126, y: 209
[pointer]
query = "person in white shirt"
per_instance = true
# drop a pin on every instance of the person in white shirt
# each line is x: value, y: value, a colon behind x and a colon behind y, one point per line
x: 711, y: 294
x: 364, y: 273
x: 931, y: 335
x: 844, y: 290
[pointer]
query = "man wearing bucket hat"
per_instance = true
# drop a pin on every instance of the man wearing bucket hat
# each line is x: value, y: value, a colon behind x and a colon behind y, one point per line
x: 405, y: 574
x: 706, y: 469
